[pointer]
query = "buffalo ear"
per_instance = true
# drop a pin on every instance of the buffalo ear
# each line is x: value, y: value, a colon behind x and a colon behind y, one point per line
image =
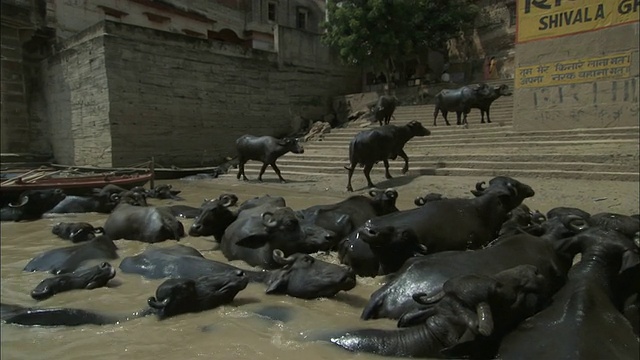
x: 279, y: 284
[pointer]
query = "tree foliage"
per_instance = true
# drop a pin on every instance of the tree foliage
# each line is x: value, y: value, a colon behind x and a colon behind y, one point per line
x: 380, y: 33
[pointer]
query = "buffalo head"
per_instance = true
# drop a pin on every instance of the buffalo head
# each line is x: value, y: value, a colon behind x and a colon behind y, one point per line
x: 215, y: 216
x: 305, y: 277
x: 384, y: 202
x: 291, y: 144
x: 179, y: 296
x: 503, y: 184
x: 416, y: 129
x: 33, y: 203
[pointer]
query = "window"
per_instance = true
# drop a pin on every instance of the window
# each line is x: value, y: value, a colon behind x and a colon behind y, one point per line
x: 512, y: 14
x: 271, y: 11
x: 301, y: 18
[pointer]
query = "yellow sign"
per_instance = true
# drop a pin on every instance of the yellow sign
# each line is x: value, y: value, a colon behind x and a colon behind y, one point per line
x: 541, y: 19
x: 574, y: 71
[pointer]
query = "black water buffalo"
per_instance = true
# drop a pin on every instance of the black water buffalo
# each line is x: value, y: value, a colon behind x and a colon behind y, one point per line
x: 148, y: 224
x: 344, y: 217
x: 180, y: 296
x: 305, y: 277
x: 16, y: 314
x: 214, y: 217
x: 461, y: 101
x: 164, y: 191
x: 31, y: 205
x: 76, y: 232
x: 258, y: 231
x: 69, y: 259
x: 173, y: 297
x: 626, y: 225
x: 421, y: 200
x: 266, y: 149
x: 582, y: 321
x: 90, y: 278
x: 383, y: 111
x: 426, y: 274
x: 177, y: 261
x: 301, y: 275
x: 475, y: 304
x: 448, y: 224
x: 381, y: 144
x: 101, y: 203
x: 484, y: 102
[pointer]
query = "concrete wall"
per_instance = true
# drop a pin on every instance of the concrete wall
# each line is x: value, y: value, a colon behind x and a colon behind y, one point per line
x: 601, y: 103
x: 186, y: 100
x: 77, y: 100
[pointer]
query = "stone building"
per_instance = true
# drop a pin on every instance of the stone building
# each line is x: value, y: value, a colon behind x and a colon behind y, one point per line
x: 114, y: 82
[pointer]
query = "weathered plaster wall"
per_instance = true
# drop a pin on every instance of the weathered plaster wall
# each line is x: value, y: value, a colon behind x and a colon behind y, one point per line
x: 186, y: 100
x: 77, y: 100
x: 604, y: 103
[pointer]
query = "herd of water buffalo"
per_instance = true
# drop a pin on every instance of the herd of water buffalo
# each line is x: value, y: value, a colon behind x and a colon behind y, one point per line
x: 475, y: 277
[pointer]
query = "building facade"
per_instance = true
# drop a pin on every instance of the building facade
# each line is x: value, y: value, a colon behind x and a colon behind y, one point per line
x: 577, y: 64
x: 114, y: 82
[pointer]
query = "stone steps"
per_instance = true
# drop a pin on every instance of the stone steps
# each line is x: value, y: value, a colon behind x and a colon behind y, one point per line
x: 477, y: 150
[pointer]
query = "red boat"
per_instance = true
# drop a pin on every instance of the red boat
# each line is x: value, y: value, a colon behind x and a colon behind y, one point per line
x: 71, y: 185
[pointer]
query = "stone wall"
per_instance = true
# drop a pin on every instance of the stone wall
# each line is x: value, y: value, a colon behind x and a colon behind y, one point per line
x: 76, y: 97
x: 185, y: 100
x: 601, y: 103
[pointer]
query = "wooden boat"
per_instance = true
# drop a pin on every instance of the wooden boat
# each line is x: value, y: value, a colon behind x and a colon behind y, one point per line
x: 73, y: 184
x: 161, y: 173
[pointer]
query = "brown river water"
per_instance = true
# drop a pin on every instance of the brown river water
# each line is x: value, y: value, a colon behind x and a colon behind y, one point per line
x: 232, y: 331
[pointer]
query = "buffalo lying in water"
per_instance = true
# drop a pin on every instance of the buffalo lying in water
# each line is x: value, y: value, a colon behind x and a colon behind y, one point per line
x: 90, y: 278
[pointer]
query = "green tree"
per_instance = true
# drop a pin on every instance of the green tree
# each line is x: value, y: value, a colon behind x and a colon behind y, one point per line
x: 383, y: 33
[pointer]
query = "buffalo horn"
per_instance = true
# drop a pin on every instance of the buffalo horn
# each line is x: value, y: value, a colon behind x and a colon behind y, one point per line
x: 157, y: 304
x: 419, y: 201
x: 23, y: 201
x: 227, y: 200
x: 485, y: 319
x: 575, y: 223
x: 479, y: 186
x: 267, y: 219
x: 373, y: 193
x: 114, y: 197
x: 279, y: 257
x: 422, y: 299
x: 391, y: 193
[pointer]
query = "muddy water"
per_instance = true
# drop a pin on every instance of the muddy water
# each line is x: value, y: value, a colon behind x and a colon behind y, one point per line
x: 232, y: 331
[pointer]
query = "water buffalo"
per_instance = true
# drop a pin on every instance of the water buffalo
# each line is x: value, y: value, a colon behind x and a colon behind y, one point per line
x: 69, y: 259
x: 101, y: 203
x: 305, y: 277
x: 76, y: 232
x: 149, y: 224
x: 426, y: 274
x: 180, y: 296
x: 258, y: 231
x: 164, y: 191
x: 383, y: 111
x: 484, y: 102
x: 214, y: 217
x: 344, y: 217
x: 177, y: 261
x: 31, y: 205
x: 90, y: 278
x: 421, y: 200
x: 173, y: 297
x: 582, y: 321
x: 448, y: 224
x: 479, y: 304
x: 381, y: 144
x: 266, y: 149
x: 461, y: 101
x: 300, y: 275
